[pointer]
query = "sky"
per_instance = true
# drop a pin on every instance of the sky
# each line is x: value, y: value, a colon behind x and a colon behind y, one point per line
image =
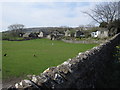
x: 45, y: 14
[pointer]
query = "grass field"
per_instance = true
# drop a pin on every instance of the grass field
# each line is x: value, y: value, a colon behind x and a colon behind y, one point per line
x: 20, y: 59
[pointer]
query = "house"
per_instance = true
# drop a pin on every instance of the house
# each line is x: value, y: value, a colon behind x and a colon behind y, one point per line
x: 48, y: 36
x: 26, y: 35
x: 21, y: 34
x: 32, y: 35
x: 67, y: 33
x: 100, y: 33
x: 94, y: 34
x: 78, y: 34
x: 43, y: 34
x: 57, y: 33
x: 51, y: 37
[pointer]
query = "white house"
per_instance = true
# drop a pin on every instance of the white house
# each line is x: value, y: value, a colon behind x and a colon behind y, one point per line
x: 95, y: 34
x: 41, y: 34
x: 101, y: 33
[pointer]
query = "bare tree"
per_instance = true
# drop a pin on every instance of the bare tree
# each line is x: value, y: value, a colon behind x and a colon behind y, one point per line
x: 119, y: 10
x: 16, y: 28
x: 81, y: 27
x: 104, y: 12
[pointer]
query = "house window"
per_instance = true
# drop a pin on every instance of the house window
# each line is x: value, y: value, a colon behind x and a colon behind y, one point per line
x: 102, y: 32
x: 95, y: 33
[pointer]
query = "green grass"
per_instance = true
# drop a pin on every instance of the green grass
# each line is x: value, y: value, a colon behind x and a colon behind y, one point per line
x: 20, y: 60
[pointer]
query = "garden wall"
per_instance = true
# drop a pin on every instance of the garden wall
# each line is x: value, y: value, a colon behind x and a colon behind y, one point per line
x: 86, y: 70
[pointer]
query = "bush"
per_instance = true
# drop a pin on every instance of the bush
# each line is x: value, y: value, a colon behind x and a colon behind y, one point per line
x: 8, y: 36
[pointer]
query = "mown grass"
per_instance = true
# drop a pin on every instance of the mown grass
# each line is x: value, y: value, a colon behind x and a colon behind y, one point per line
x: 20, y: 59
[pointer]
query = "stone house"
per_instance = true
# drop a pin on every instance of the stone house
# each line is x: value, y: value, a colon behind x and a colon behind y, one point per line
x: 26, y: 35
x: 48, y: 36
x: 78, y: 34
x: 67, y: 33
x: 33, y: 35
x: 51, y: 37
x: 100, y: 33
x: 55, y: 35
x: 43, y: 34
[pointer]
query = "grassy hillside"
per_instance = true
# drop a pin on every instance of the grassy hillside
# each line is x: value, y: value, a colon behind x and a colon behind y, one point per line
x: 20, y: 59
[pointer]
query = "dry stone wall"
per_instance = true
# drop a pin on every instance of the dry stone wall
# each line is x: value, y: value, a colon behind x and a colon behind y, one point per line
x: 86, y: 70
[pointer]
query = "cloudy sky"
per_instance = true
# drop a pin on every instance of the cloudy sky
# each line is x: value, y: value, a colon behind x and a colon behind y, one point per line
x: 40, y: 14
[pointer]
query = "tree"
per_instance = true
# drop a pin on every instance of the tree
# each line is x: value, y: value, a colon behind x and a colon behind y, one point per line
x: 105, y: 12
x: 119, y: 10
x: 16, y: 29
x: 81, y: 27
x: 103, y: 24
x: 114, y: 27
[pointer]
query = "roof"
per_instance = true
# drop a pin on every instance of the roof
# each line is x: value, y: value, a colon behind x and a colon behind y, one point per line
x: 102, y: 29
x: 46, y: 32
x: 26, y: 34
